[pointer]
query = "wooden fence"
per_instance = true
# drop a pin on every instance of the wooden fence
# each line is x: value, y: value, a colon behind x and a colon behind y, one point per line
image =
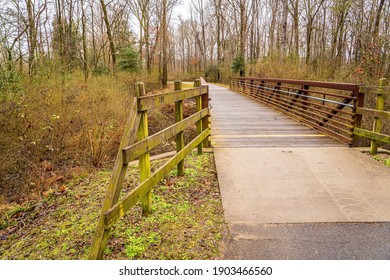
x: 378, y: 115
x: 336, y: 109
x: 136, y: 143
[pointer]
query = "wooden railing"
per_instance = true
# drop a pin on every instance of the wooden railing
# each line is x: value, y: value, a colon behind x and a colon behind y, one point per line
x: 136, y: 143
x: 378, y: 115
x: 328, y: 107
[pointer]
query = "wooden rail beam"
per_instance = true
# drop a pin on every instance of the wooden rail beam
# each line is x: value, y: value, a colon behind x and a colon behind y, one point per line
x: 384, y: 115
x: 118, y: 210
x: 137, y: 129
x: 156, y: 100
x: 375, y: 136
x: 101, y: 235
x: 134, y: 151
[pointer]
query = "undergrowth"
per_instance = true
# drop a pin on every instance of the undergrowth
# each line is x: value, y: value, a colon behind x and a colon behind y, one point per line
x: 55, y: 125
x: 186, y: 220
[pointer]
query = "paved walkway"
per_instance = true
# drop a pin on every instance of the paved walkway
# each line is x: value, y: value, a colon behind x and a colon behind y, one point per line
x: 290, y: 192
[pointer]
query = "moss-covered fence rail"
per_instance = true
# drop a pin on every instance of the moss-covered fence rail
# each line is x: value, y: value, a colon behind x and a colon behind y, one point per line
x: 379, y: 114
x: 136, y: 143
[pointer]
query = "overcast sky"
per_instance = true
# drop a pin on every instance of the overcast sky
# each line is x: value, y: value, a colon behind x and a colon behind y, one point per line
x: 183, y: 9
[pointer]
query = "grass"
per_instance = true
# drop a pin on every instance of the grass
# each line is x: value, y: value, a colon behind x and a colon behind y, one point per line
x: 384, y: 158
x: 186, y: 221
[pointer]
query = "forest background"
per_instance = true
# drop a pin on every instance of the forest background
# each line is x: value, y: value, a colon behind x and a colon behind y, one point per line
x: 67, y: 67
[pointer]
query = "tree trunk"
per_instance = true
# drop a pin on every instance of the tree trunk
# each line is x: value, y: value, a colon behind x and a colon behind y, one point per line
x: 284, y: 29
x: 164, y: 74
x: 309, y: 31
x: 84, y: 34
x: 378, y: 18
x: 242, y: 34
x: 32, y: 36
x: 109, y: 34
x: 296, y: 27
x: 147, y: 45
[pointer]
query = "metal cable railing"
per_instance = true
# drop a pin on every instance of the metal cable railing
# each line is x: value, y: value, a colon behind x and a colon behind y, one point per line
x: 303, y: 95
x: 328, y: 107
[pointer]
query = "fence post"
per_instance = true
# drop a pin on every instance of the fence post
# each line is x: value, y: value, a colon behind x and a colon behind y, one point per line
x: 199, y: 124
x: 144, y: 160
x: 178, y: 85
x: 205, y: 120
x: 380, y: 105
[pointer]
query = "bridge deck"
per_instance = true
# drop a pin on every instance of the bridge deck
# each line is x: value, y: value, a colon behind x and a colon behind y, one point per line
x: 239, y: 121
x: 281, y: 180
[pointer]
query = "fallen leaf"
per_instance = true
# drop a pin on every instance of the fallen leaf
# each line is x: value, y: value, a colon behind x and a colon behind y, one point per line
x: 62, y: 188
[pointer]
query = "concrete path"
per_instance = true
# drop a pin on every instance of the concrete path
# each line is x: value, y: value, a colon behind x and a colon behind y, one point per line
x: 290, y: 192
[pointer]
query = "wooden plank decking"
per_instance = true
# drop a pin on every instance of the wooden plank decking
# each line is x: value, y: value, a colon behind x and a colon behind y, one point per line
x: 238, y: 121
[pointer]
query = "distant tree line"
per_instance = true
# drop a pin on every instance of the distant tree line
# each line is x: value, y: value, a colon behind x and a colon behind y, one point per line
x: 100, y: 36
x: 244, y: 32
x: 95, y: 35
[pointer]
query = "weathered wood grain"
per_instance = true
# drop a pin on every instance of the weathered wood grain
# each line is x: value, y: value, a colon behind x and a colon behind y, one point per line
x: 144, y: 159
x: 180, y: 136
x: 134, y: 151
x: 129, y: 200
x: 372, y: 135
x: 156, y: 100
x: 114, y: 188
x: 239, y: 121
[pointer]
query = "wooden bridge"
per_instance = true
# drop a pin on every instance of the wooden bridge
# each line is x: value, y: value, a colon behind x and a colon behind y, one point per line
x: 291, y: 186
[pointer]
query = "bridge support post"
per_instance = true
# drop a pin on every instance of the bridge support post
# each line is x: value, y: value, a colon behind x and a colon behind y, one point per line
x: 144, y: 160
x: 357, y: 119
x: 178, y: 85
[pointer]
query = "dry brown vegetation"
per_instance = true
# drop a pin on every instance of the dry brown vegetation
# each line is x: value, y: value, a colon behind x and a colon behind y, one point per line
x: 54, y: 127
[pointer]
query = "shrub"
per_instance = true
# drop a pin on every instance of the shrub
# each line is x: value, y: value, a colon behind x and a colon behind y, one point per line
x: 128, y: 60
x: 55, y: 125
x: 100, y: 69
x: 238, y: 65
x: 212, y: 73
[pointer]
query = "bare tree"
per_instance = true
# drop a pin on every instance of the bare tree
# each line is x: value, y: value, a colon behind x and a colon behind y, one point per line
x: 311, y: 7
x: 284, y: 27
x: 109, y: 33
x: 85, y: 47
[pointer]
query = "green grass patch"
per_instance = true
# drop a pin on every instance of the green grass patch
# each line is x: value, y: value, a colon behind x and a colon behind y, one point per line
x: 384, y: 158
x: 186, y: 221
